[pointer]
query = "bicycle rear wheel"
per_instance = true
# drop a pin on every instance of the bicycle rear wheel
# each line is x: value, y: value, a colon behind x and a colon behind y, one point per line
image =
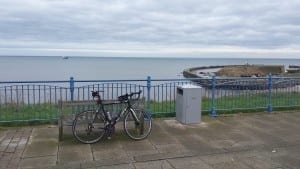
x: 88, y: 127
x: 138, y: 130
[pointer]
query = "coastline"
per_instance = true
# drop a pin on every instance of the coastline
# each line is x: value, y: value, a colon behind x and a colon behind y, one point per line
x: 257, y: 77
x: 255, y: 70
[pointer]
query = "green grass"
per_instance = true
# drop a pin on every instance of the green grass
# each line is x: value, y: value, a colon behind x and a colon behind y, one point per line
x: 247, y: 102
x: 27, y: 114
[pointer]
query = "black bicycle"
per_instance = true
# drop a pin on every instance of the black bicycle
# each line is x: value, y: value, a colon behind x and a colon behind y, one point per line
x: 91, y: 125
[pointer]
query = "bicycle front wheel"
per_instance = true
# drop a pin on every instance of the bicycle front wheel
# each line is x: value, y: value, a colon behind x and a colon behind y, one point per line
x: 140, y: 128
x: 88, y: 127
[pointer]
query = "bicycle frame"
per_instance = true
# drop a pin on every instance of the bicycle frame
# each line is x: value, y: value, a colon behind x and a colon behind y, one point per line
x: 122, y: 113
x: 134, y: 128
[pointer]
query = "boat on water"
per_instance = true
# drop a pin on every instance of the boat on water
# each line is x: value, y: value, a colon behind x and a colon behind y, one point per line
x: 65, y: 57
x: 293, y: 69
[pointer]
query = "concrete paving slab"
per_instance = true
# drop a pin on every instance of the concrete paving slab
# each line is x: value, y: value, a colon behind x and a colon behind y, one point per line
x: 42, y: 142
x: 265, y: 157
x: 194, y: 137
x: 38, y: 162
x: 162, y: 164
x: 219, y: 158
x: 258, y: 163
x: 253, y: 159
x: 266, y: 136
x: 160, y: 136
x: 267, y: 121
x: 230, y: 165
x: 238, y: 138
x: 74, y: 152
x: 238, y: 135
x: 67, y: 133
x: 281, y: 120
x: 112, y: 156
x: 195, y: 143
x: 212, y: 132
x: 171, y: 148
x: 285, y: 156
x: 107, y: 145
x: 235, y: 141
x: 292, y: 151
x: 269, y: 124
x: 97, y: 164
x: 45, y: 133
x: 73, y: 165
x: 289, y: 135
x: 2, y: 134
x: 178, y: 130
x: 282, y: 136
x: 162, y: 156
x: 40, y: 148
x: 190, y: 163
x: 121, y: 166
x: 11, y: 147
x: 5, y: 160
x: 292, y: 127
x: 292, y: 117
x: 288, y: 161
x: 136, y: 148
x: 5, y: 143
x: 23, y: 142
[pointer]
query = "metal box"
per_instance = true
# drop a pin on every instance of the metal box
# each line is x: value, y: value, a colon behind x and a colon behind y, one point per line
x: 188, y: 104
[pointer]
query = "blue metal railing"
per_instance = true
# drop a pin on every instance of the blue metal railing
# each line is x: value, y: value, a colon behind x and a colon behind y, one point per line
x: 37, y: 100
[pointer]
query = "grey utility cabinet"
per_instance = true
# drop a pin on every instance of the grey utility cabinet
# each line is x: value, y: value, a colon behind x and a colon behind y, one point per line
x: 188, y: 104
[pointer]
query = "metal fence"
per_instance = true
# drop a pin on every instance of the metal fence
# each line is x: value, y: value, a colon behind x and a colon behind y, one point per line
x: 37, y: 100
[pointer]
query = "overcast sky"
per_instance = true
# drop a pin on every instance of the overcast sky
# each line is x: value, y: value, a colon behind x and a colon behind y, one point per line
x: 196, y: 28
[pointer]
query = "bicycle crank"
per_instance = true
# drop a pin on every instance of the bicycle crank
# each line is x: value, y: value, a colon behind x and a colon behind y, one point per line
x: 109, y: 130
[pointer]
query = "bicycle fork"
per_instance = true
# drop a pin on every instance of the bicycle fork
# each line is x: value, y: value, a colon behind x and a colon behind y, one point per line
x: 138, y: 123
x: 136, y: 119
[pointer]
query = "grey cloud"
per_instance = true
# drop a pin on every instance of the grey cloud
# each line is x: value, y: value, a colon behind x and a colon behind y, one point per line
x: 247, y: 23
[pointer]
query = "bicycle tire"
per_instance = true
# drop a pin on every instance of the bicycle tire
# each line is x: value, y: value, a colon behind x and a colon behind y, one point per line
x: 88, y: 127
x: 138, y: 131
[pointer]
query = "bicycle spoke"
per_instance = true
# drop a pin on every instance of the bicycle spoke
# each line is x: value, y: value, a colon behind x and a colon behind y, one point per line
x: 86, y: 128
x: 137, y: 130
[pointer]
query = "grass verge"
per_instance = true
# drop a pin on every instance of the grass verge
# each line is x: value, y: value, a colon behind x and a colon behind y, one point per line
x: 12, y: 114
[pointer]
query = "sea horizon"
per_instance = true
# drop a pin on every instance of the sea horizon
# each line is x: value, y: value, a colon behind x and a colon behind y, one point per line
x: 35, y: 68
x: 161, y: 56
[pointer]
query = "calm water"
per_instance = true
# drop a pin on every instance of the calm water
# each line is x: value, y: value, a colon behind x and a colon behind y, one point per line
x: 87, y: 68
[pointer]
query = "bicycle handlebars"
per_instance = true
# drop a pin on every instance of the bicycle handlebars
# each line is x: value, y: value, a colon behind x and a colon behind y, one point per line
x: 124, y: 97
x: 96, y: 93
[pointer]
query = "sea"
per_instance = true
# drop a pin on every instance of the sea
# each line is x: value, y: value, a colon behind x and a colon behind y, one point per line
x: 52, y: 68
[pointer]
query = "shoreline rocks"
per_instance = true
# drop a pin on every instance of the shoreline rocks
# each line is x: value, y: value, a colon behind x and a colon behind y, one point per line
x: 231, y: 72
x: 234, y: 71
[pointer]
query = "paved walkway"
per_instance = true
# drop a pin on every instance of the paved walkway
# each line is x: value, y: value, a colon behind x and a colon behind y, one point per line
x: 241, y: 141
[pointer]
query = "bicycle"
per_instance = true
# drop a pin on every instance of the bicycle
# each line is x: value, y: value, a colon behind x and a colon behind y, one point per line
x: 91, y: 125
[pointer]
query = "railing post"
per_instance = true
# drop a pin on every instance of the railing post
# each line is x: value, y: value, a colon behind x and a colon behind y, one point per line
x: 148, y: 92
x: 60, y: 121
x: 0, y: 107
x: 270, y: 85
x: 213, y: 112
x: 72, y: 88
